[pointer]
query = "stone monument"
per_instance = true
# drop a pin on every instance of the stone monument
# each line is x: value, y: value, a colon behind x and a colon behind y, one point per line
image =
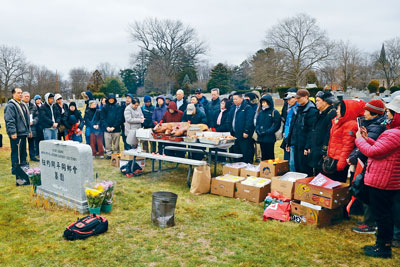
x: 66, y: 166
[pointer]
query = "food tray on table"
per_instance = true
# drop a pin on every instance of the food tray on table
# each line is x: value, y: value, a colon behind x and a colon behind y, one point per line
x: 175, y: 138
x: 190, y: 139
x: 159, y: 135
x: 210, y: 140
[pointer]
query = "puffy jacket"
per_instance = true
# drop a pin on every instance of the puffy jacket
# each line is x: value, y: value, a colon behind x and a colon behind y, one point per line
x: 16, y: 122
x: 226, y: 124
x: 383, y: 168
x: 111, y: 115
x: 159, y: 111
x: 303, y: 121
x: 213, y: 109
x: 268, y: 122
x: 133, y: 122
x: 172, y: 117
x: 148, y: 116
x: 244, y: 122
x: 375, y: 127
x: 320, y: 136
x: 48, y: 114
x: 197, y: 118
x: 343, y: 132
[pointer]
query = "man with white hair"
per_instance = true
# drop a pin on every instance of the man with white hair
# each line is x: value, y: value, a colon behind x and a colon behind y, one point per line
x: 180, y: 100
x: 213, y: 108
x: 33, y: 122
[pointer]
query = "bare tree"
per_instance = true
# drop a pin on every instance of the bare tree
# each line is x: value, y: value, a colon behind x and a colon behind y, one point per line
x: 79, y: 79
x: 107, y: 70
x: 166, y: 42
x: 303, y: 43
x: 348, y: 57
x: 388, y: 61
x: 12, y: 68
x: 40, y: 80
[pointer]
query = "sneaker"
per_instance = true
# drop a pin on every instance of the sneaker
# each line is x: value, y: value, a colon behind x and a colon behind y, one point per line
x: 378, y: 251
x: 365, y: 229
x: 396, y: 244
x: 101, y: 157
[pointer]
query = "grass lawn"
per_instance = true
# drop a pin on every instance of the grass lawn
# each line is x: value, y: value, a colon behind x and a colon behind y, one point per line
x: 210, y: 230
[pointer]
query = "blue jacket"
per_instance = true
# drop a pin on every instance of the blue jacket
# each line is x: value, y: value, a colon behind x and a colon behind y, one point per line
x: 244, y: 122
x: 148, y: 116
x: 159, y: 111
x: 289, y: 117
x: 268, y: 122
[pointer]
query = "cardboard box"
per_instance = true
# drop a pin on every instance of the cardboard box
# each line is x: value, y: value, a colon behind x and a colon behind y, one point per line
x: 325, y: 197
x: 306, y: 215
x: 115, y: 158
x: 252, y: 193
x: 269, y: 170
x: 125, y: 156
x: 283, y: 187
x: 247, y: 173
x: 230, y: 170
x: 223, y: 188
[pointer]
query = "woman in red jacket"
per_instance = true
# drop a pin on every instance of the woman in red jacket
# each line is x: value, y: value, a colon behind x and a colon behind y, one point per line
x: 343, y: 134
x: 383, y: 178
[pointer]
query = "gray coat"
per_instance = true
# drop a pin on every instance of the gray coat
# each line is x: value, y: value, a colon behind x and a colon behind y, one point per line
x: 16, y: 123
x: 133, y: 122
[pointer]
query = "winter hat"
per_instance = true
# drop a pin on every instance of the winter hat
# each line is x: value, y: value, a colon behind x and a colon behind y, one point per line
x: 302, y: 93
x: 129, y: 95
x: 170, y: 97
x: 326, y: 96
x: 37, y: 97
x: 57, y: 96
x: 92, y: 102
x: 198, y: 91
x: 394, y: 104
x: 190, y: 108
x: 376, y: 106
x: 147, y: 98
x: 72, y: 104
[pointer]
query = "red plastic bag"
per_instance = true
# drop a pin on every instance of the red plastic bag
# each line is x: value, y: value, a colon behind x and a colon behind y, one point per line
x: 278, y: 211
x: 275, y: 194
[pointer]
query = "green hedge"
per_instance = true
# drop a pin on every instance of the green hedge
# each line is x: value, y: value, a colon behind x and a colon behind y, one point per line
x: 394, y: 89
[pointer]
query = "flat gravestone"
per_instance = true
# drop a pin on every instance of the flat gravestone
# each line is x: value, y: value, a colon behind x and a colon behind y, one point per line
x: 66, y: 166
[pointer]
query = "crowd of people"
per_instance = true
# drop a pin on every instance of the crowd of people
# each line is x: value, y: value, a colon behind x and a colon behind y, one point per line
x: 322, y: 135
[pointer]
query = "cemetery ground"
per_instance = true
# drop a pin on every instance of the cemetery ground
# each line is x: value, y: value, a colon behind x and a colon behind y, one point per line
x: 210, y: 230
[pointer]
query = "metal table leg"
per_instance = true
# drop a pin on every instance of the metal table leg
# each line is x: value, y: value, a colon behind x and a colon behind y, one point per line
x: 216, y: 162
x: 189, y: 175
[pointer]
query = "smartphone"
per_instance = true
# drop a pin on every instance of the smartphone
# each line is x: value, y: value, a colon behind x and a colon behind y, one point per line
x: 359, y: 120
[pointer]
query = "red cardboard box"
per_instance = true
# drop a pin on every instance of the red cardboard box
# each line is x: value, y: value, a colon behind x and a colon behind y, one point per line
x: 306, y: 215
x: 269, y: 170
x: 317, y: 195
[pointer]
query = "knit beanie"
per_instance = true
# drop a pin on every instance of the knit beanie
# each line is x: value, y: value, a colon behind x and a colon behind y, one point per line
x: 147, y: 98
x: 37, y: 97
x: 376, y: 106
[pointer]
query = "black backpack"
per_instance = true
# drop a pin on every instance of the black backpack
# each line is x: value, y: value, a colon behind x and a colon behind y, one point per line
x: 85, y: 227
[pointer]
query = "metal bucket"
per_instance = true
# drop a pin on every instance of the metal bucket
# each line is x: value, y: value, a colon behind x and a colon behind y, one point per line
x: 163, y: 208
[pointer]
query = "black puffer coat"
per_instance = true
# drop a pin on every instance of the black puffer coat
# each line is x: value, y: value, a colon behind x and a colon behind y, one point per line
x: 268, y: 122
x: 303, y: 121
x: 244, y: 122
x: 213, y: 109
x: 320, y: 134
x: 111, y: 115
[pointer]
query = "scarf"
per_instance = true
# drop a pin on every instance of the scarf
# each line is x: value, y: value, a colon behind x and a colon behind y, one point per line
x: 220, y: 117
x: 72, y: 131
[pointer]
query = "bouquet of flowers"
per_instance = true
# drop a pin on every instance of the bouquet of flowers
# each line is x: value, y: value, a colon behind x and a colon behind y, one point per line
x: 34, y: 176
x: 109, y: 191
x: 95, y: 196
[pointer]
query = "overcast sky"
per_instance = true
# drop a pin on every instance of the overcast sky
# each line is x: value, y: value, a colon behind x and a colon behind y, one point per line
x: 65, y: 34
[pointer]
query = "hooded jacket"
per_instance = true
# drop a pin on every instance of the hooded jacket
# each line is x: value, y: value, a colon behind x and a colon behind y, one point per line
x: 343, y: 132
x: 303, y: 120
x: 383, y: 168
x: 48, y: 114
x: 159, y: 111
x: 268, y: 121
x: 17, y: 119
x: 133, y: 122
x: 148, y: 116
x: 111, y: 115
x: 213, y: 109
x: 172, y: 117
x: 320, y: 134
x: 244, y: 121
x: 375, y: 127
x: 197, y: 118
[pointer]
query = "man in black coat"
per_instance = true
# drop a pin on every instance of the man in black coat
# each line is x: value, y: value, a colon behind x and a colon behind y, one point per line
x: 33, y: 121
x: 62, y: 110
x: 180, y: 100
x: 213, y: 108
x: 111, y: 120
x: 201, y: 99
x: 321, y: 130
x: 49, y: 118
x: 301, y: 126
x: 148, y: 110
x: 242, y: 118
x: 16, y: 116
